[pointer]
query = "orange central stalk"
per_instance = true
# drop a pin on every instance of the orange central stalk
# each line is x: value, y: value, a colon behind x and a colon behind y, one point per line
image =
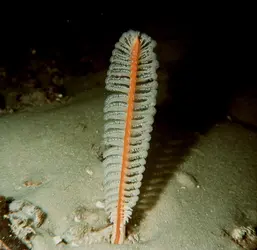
x: 131, y: 96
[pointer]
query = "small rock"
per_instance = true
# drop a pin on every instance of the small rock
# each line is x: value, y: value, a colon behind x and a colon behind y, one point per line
x: 99, y: 204
x: 57, y: 239
x: 89, y: 171
x: 245, y: 237
x: 186, y: 180
x: 8, y: 240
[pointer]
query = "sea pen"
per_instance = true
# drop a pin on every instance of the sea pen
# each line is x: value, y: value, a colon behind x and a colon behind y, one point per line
x: 129, y: 114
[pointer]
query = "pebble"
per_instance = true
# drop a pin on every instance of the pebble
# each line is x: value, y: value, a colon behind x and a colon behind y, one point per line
x: 57, y: 239
x: 99, y: 204
x: 89, y: 171
x: 186, y: 180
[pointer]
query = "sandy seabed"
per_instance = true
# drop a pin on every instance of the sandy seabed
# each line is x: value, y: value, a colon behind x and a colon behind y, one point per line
x: 209, y: 188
